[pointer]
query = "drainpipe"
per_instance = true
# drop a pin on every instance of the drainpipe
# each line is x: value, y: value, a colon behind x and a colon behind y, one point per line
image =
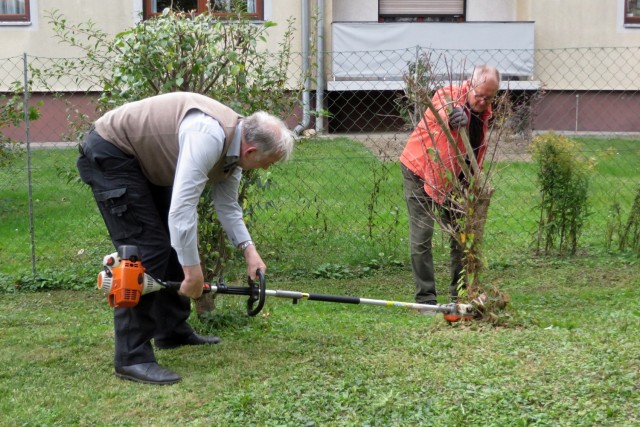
x: 306, y: 94
x: 320, y: 74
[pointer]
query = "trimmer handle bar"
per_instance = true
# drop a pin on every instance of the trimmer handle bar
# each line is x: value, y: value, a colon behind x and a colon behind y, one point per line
x: 256, y: 292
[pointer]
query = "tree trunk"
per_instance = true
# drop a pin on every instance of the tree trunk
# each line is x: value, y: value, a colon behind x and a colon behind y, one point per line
x: 205, y: 304
x: 478, y: 210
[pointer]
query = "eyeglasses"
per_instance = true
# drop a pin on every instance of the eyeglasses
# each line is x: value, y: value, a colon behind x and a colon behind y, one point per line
x: 484, y: 98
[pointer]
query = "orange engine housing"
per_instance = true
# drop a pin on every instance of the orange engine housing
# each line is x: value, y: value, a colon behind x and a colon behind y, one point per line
x: 127, y: 284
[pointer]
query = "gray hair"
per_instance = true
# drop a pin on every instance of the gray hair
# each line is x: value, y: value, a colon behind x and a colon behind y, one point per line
x: 268, y: 134
x: 482, y: 73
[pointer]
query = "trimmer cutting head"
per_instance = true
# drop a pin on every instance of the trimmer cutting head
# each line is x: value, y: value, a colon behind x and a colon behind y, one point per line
x: 452, y: 312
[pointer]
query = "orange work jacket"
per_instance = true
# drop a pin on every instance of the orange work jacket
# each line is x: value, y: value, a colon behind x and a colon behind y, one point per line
x: 427, y: 138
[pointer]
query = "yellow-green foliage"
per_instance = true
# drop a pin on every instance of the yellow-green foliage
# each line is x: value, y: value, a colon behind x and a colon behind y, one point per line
x: 561, y: 150
x: 563, y: 177
x: 627, y: 232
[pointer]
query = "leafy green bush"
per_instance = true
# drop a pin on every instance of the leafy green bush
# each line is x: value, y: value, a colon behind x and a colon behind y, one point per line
x: 12, y: 113
x: 420, y: 81
x: 332, y: 271
x: 49, y: 279
x: 627, y: 233
x: 563, y: 178
x: 219, y: 57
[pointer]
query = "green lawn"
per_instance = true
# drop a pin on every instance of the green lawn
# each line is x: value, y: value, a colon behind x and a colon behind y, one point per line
x: 333, y: 207
x: 69, y: 234
x: 513, y: 216
x: 568, y: 357
x: 321, y: 201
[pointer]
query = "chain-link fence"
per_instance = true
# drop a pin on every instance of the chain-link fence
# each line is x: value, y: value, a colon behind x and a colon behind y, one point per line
x: 339, y: 201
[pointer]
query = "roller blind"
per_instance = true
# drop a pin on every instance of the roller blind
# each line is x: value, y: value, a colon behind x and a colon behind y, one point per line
x: 421, y: 7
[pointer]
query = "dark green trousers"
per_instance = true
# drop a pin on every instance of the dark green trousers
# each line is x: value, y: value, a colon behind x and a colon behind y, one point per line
x: 422, y: 213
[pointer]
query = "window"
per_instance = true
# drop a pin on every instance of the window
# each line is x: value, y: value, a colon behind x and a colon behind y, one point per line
x: 14, y: 10
x: 252, y: 8
x: 421, y: 11
x: 632, y: 11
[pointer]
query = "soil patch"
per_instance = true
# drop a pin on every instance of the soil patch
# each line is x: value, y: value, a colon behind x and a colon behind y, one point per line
x: 389, y: 146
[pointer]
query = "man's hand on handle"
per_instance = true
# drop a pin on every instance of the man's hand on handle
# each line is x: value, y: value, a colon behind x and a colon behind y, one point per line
x: 254, y: 262
x: 193, y: 282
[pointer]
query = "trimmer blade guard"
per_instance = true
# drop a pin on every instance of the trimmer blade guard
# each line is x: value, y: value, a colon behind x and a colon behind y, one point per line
x: 461, y: 312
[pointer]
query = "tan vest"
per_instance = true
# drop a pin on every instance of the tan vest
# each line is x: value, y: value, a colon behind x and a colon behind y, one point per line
x: 148, y: 130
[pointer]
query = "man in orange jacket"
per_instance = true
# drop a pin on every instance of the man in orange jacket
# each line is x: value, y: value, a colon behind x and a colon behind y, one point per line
x: 430, y: 163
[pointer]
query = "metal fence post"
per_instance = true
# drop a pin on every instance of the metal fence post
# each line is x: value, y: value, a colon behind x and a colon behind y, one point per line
x: 28, y: 143
x: 577, y: 110
x: 320, y: 74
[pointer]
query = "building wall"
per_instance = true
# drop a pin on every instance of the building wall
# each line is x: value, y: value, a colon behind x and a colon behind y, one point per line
x: 583, y: 25
x: 580, y: 23
x: 112, y: 17
x: 597, y: 112
x: 37, y: 38
x: 559, y: 24
x: 53, y: 124
x: 491, y: 10
x: 279, y: 11
x: 354, y: 10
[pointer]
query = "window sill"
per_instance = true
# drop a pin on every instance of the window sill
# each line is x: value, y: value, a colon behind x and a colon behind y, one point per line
x: 14, y: 24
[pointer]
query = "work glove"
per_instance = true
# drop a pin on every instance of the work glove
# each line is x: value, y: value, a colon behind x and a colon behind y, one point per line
x: 458, y: 118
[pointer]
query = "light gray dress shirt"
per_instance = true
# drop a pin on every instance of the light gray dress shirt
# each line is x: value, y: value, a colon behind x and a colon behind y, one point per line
x: 201, y: 143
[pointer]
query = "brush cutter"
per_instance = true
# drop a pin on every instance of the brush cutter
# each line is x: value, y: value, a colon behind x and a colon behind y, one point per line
x: 125, y: 281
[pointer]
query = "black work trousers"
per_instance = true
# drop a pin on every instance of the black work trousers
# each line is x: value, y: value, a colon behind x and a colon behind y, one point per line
x: 136, y: 213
